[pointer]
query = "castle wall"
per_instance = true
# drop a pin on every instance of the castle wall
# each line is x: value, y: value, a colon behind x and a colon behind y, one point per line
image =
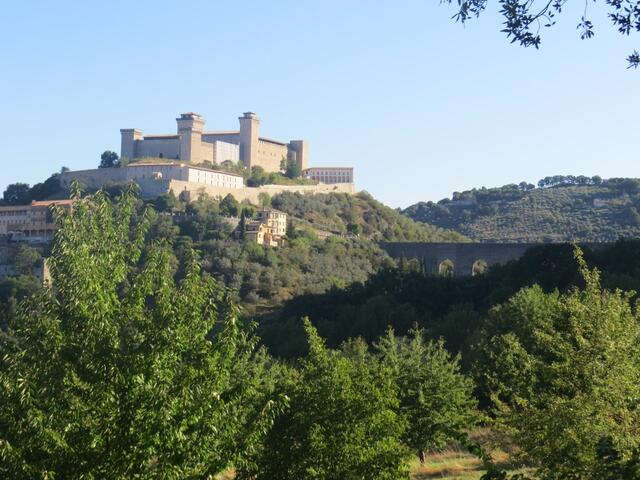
x: 269, y: 155
x: 207, y: 153
x: 227, y: 137
x: 158, y: 147
x: 191, y: 191
x: 225, y: 151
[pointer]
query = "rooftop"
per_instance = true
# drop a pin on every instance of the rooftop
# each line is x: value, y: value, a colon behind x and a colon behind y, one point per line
x: 272, y: 141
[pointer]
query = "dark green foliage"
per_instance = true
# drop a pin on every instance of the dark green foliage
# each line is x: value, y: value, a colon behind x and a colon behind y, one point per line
x: 25, y: 259
x: 435, y: 398
x: 17, y: 194
x: 120, y: 372
x: 293, y: 169
x: 452, y: 308
x: 108, y: 159
x: 229, y: 206
x: 18, y: 288
x: 341, y: 423
x: 563, y: 208
x: 22, y: 194
x: 562, y: 373
x: 610, y: 465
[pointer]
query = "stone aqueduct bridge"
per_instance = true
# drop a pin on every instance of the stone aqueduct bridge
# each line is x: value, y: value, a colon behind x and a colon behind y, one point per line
x: 463, y: 258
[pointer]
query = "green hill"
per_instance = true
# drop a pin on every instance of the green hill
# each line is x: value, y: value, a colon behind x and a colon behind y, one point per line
x: 359, y: 215
x: 561, y: 208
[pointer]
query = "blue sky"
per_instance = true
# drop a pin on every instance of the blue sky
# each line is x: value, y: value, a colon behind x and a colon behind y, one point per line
x: 419, y: 105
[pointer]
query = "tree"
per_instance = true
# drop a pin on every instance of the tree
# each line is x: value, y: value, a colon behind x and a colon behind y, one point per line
x: 264, y: 199
x: 435, y: 398
x: 167, y: 202
x: 340, y: 423
x: 293, y: 169
x: 562, y: 373
x: 47, y: 189
x: 120, y: 372
x: 17, y: 194
x: 26, y: 259
x: 523, y: 19
x: 108, y: 159
x: 229, y: 206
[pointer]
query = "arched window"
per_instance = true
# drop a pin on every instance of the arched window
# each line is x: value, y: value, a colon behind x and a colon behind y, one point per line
x: 446, y: 268
x: 479, y: 267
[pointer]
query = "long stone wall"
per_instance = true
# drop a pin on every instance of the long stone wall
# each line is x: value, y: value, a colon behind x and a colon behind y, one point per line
x: 463, y: 256
x: 191, y: 191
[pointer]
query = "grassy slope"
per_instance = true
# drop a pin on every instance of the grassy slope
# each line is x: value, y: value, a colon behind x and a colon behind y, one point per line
x: 563, y: 213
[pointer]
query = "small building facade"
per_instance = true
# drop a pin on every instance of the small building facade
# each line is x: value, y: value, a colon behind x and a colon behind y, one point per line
x: 153, y: 178
x: 269, y: 228
x: 275, y: 219
x: 32, y: 223
x: 329, y: 174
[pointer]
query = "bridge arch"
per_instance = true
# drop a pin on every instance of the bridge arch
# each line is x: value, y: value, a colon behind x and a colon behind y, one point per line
x: 479, y: 267
x: 446, y: 268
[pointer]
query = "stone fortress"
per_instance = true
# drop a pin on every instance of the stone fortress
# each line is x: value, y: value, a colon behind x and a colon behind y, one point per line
x: 185, y: 163
x: 195, y: 145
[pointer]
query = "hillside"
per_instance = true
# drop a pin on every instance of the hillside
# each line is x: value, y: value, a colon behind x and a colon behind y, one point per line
x: 264, y: 277
x: 359, y: 215
x: 558, y: 209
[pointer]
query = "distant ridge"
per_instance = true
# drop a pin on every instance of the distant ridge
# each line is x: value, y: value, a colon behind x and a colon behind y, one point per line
x: 559, y: 209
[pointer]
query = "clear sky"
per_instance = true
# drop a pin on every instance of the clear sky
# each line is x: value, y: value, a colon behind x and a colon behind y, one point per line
x: 419, y: 105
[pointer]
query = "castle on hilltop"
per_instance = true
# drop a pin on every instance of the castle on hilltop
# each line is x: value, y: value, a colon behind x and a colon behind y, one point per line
x: 187, y: 164
x: 194, y: 145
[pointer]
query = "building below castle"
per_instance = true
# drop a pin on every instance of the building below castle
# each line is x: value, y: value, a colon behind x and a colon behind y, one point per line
x: 329, y: 174
x: 32, y: 223
x: 269, y: 228
x: 194, y: 145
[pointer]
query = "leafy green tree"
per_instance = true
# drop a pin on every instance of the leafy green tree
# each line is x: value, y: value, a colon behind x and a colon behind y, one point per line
x: 118, y: 371
x: 108, y: 159
x: 229, y: 206
x: 26, y: 259
x: 17, y: 194
x: 562, y: 371
x: 167, y: 202
x: 293, y: 169
x: 264, y: 199
x: 341, y: 422
x: 435, y: 398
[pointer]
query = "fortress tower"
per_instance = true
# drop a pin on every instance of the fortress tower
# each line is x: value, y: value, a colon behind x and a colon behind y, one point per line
x: 190, y: 127
x: 249, y: 138
x: 128, y: 138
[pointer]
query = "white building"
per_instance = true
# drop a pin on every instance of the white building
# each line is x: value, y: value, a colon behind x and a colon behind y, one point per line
x: 329, y: 174
x: 150, y: 175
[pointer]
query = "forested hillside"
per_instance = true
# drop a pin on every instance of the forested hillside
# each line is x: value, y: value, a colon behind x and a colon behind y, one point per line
x: 331, y: 243
x: 345, y: 252
x: 561, y: 208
